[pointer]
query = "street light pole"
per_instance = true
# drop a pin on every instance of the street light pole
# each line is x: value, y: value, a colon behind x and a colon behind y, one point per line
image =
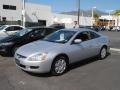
x: 23, y: 13
x: 109, y: 11
x: 93, y: 14
x: 109, y: 17
x: 78, y: 13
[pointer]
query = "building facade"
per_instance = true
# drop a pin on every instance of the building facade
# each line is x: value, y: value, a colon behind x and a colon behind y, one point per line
x: 109, y: 20
x: 11, y: 11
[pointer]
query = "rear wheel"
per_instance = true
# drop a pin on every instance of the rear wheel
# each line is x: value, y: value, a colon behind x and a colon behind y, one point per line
x: 59, y: 66
x: 103, y: 53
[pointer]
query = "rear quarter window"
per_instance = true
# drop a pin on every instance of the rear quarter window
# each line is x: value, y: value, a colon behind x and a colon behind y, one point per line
x: 94, y: 35
x: 17, y: 28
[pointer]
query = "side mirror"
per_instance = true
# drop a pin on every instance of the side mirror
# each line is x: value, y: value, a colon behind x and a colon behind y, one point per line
x: 77, y: 41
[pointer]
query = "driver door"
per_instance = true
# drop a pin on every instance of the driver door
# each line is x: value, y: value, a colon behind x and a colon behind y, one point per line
x: 80, y: 51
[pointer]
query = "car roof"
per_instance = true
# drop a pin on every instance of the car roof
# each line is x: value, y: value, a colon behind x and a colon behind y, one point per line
x: 78, y: 29
x: 40, y: 27
x: 13, y: 25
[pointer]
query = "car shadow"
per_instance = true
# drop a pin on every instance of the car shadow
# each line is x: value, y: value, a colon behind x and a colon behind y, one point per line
x: 44, y: 75
x: 82, y: 63
x: 85, y: 62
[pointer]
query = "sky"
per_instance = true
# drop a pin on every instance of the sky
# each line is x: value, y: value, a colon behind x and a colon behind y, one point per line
x: 71, y: 5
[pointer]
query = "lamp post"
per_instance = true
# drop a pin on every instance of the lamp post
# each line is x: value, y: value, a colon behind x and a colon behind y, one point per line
x: 109, y: 11
x: 0, y: 16
x: 93, y: 15
x: 109, y: 19
x: 23, y: 13
x: 78, y: 13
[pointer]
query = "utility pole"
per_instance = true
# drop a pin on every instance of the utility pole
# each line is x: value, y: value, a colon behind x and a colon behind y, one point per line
x: 0, y: 16
x: 78, y: 13
x: 93, y: 15
x: 110, y: 11
x: 23, y: 13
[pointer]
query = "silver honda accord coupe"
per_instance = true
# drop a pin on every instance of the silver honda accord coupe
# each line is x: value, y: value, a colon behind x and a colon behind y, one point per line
x: 56, y: 51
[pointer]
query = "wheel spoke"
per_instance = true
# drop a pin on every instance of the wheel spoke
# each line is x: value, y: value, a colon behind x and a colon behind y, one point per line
x: 103, y: 53
x: 60, y: 66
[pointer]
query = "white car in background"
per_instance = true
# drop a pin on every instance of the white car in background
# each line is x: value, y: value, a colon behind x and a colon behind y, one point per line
x: 6, y: 30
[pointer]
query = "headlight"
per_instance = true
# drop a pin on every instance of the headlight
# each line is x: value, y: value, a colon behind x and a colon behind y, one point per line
x: 7, y: 43
x: 38, y: 57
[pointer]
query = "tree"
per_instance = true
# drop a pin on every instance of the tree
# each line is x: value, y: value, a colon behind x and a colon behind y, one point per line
x: 96, y: 17
x: 117, y: 13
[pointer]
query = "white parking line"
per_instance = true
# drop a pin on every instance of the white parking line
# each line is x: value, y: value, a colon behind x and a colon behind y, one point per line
x: 115, y: 49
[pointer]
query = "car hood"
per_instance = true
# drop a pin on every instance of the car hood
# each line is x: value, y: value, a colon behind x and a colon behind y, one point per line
x: 7, y: 38
x: 2, y: 37
x: 38, y: 47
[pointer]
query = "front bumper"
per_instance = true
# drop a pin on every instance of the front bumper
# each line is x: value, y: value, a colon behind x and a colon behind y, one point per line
x: 34, y: 66
x: 5, y: 49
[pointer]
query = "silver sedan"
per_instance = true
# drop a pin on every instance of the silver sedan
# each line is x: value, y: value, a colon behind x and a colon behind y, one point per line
x: 55, y: 52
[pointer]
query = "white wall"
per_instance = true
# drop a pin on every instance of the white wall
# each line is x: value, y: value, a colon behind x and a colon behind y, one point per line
x: 60, y: 18
x: 11, y: 14
x: 35, y: 12
x: 112, y: 17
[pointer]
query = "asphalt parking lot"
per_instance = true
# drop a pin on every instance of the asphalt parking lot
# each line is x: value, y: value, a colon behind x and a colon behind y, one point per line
x: 91, y: 74
x: 114, y: 38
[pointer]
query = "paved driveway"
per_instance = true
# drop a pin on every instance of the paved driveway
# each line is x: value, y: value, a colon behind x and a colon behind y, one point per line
x: 114, y: 38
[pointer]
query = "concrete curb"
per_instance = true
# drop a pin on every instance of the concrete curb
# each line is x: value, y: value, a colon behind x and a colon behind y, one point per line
x: 115, y: 49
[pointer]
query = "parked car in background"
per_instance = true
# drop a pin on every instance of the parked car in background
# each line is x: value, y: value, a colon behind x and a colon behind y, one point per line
x: 0, y: 25
x: 7, y: 30
x: 56, y: 51
x: 11, y: 43
x: 58, y: 26
x: 115, y: 28
x: 95, y: 28
x: 102, y: 28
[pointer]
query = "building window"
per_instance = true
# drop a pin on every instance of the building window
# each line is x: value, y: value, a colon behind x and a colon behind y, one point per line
x: 9, y: 7
x: 4, y: 19
x: 42, y: 22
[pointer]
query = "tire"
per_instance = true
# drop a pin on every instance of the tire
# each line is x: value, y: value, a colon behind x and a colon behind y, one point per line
x: 59, y: 66
x: 103, y: 53
x: 14, y: 49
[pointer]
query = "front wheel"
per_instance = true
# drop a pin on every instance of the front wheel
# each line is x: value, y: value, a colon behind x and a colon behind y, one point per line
x: 103, y: 53
x: 59, y: 66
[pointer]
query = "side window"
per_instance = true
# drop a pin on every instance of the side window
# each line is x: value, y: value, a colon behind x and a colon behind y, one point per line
x: 17, y: 28
x: 10, y: 29
x: 49, y: 31
x: 84, y: 36
x: 35, y: 33
x: 94, y: 35
x: 13, y: 28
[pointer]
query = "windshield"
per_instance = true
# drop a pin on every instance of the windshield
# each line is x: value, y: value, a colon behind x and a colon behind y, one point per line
x: 61, y: 36
x: 2, y: 27
x: 22, y: 32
